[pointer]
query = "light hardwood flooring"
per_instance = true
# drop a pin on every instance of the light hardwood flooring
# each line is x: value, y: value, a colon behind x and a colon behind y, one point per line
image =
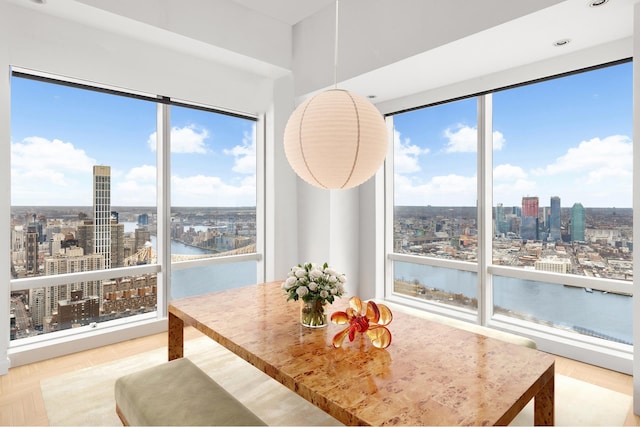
x: 21, y: 402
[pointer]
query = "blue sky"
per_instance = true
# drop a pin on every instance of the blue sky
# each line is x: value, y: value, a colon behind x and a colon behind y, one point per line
x: 568, y: 137
x: 58, y: 133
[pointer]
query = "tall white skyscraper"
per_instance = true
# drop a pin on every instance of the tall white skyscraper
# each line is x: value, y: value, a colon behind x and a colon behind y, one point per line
x: 102, y: 212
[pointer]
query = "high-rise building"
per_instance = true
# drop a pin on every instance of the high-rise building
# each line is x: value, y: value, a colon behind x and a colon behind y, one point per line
x: 577, y: 222
x: 85, y: 236
x: 143, y: 219
x: 529, y: 228
x: 530, y: 206
x: 530, y: 212
x: 31, y: 250
x: 555, y: 220
x: 142, y: 236
x: 71, y: 260
x: 501, y: 223
x: 117, y: 245
x: 37, y: 306
x: 102, y: 212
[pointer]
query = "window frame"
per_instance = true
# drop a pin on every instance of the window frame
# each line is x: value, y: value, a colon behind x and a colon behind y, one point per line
x: 592, y: 350
x: 25, y: 350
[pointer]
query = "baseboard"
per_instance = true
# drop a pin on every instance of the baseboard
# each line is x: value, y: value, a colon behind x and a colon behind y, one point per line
x: 4, y: 366
x: 25, y: 354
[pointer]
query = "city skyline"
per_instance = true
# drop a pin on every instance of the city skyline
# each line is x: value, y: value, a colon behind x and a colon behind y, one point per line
x: 568, y: 137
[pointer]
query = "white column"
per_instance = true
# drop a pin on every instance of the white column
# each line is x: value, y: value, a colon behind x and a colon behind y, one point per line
x: 163, y: 200
x: 485, y: 207
x: 280, y: 196
x: 328, y: 230
x: 344, y: 237
x: 5, y: 191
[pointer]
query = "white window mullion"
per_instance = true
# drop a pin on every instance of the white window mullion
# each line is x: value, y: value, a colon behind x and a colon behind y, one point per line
x: 485, y: 207
x: 163, y: 198
x: 260, y: 196
x: 387, y: 286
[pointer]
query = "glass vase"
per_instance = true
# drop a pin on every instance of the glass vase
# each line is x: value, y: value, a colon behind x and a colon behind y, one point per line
x: 313, y: 314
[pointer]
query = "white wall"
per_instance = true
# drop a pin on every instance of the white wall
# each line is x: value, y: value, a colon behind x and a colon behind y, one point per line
x: 5, y: 175
x: 636, y: 206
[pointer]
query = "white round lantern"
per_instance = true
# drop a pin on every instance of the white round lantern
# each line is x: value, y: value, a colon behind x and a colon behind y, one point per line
x: 336, y: 140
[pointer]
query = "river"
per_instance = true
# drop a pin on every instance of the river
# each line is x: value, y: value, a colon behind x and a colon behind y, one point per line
x: 200, y: 280
x: 606, y: 314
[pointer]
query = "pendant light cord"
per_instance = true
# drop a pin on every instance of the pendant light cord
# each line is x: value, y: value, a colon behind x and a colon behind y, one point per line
x: 335, y: 50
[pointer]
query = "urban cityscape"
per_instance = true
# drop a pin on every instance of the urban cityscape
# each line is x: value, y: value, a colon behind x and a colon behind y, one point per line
x: 60, y: 240
x: 594, y: 242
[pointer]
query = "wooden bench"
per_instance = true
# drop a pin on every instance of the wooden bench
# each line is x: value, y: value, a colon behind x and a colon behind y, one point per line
x: 178, y: 393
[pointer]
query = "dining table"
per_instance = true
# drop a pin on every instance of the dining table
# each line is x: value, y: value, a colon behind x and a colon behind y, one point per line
x: 430, y: 374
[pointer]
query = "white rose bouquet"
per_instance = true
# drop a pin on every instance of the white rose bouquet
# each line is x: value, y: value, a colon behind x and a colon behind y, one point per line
x: 311, y: 282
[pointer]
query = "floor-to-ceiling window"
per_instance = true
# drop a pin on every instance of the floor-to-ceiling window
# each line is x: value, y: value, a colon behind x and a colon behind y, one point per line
x: 213, y: 201
x: 562, y: 192
x: 560, y: 206
x: 86, y: 204
x: 434, y: 214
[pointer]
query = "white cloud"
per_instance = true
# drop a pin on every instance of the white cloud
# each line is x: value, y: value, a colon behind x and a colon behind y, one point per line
x: 49, y: 172
x: 464, y: 139
x: 498, y: 140
x: 245, y: 154
x: 188, y: 139
x: 611, y: 157
x: 133, y: 192
x: 449, y: 190
x: 200, y: 190
x: 508, y: 172
x: 137, y: 187
x: 36, y: 153
x: 144, y: 173
x: 405, y: 155
x: 510, y: 183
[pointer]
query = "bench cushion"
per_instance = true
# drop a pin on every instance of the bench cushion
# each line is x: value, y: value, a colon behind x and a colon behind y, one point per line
x: 178, y: 393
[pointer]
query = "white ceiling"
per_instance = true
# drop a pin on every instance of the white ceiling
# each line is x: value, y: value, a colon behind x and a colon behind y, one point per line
x: 288, y: 11
x: 521, y: 41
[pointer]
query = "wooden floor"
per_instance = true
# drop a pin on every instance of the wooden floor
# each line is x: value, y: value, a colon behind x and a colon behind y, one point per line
x: 21, y: 402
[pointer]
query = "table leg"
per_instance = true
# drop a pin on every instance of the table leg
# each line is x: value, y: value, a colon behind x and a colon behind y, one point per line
x: 544, y: 405
x: 176, y: 337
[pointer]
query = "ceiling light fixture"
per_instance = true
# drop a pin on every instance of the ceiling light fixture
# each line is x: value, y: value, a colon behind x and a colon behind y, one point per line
x: 596, y: 3
x: 562, y: 42
x: 336, y: 139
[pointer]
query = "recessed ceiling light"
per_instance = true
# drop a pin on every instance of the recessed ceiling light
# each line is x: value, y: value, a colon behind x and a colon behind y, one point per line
x: 596, y: 3
x: 562, y: 42
x: 371, y: 96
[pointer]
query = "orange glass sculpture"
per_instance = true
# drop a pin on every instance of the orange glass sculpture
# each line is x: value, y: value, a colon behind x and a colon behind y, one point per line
x: 370, y: 320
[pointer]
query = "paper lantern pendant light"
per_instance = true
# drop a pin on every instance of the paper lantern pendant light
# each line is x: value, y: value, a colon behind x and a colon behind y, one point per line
x: 336, y: 140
